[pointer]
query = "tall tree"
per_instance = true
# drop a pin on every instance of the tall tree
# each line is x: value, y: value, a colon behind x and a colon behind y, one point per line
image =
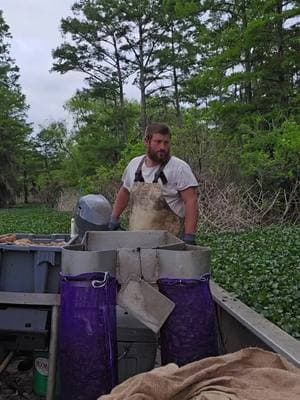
x: 13, y: 128
x: 94, y: 143
x: 52, y: 144
x: 143, y: 32
x: 112, y: 40
x: 178, y: 50
x: 252, y: 60
x: 94, y: 31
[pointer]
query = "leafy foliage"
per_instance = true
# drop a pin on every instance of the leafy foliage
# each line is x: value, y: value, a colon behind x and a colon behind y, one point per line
x: 274, y: 155
x: 262, y: 269
x: 224, y: 76
x: 34, y: 219
x: 13, y: 128
x: 96, y: 146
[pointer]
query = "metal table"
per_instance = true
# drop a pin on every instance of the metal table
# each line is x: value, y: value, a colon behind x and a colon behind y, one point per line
x: 41, y: 299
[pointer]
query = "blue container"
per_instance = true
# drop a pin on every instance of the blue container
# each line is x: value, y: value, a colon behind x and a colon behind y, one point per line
x: 32, y: 268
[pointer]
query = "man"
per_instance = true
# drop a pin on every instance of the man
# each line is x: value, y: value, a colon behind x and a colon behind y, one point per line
x: 161, y: 188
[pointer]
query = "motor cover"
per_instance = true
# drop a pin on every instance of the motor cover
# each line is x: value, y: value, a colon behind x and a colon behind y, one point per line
x: 92, y: 213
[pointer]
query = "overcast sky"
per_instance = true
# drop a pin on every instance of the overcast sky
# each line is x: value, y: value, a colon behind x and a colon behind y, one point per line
x: 35, y: 28
x: 34, y: 25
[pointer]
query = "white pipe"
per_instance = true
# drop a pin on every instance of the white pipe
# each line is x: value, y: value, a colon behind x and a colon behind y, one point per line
x: 52, y: 354
x: 6, y: 361
x: 73, y: 228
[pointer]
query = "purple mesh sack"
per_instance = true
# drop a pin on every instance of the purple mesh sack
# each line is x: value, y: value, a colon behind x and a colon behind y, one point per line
x: 189, y: 333
x: 87, y: 338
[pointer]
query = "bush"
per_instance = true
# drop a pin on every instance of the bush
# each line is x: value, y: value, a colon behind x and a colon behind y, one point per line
x: 37, y: 219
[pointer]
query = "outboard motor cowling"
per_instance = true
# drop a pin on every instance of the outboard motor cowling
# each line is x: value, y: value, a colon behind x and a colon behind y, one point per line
x: 92, y: 213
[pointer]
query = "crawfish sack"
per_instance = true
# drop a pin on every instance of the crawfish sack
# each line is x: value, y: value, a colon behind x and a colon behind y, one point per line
x: 87, y: 338
x: 189, y: 333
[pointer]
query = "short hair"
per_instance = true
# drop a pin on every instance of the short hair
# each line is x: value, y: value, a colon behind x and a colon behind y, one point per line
x: 157, y: 127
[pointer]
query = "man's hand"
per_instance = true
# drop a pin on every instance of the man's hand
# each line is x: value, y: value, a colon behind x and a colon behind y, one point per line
x: 121, y: 203
x: 114, y: 224
x: 189, y: 238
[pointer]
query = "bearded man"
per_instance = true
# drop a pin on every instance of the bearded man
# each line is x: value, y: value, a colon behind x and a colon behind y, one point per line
x: 161, y: 189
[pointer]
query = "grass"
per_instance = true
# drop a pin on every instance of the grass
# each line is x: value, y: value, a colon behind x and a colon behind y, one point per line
x: 262, y: 268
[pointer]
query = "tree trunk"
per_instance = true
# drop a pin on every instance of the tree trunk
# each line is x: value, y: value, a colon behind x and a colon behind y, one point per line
x: 283, y: 83
x: 247, y: 59
x: 25, y: 186
x: 175, y: 80
x: 123, y: 122
x: 142, y: 83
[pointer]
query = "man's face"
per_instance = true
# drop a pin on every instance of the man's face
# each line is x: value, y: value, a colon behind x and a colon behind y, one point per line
x: 158, y: 147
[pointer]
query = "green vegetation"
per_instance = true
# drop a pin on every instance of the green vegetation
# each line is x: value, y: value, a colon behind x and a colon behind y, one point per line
x: 34, y: 219
x: 262, y: 268
x: 13, y: 128
x: 225, y: 78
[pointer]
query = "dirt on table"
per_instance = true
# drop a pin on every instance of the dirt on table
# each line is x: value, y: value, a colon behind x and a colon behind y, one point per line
x: 11, y: 239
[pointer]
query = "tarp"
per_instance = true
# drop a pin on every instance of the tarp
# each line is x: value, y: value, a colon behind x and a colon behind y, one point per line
x: 249, y: 374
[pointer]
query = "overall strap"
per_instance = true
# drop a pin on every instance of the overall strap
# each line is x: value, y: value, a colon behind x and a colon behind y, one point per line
x: 138, y: 173
x: 159, y: 174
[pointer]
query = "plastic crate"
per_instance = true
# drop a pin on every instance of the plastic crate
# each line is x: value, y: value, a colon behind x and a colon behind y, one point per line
x: 31, y: 269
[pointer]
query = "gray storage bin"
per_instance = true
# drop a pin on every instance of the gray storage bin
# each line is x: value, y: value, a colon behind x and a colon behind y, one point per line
x: 31, y: 269
x: 186, y: 262
x: 137, y: 346
x: 101, y: 240
x: 76, y: 260
x: 98, y: 250
x: 190, y: 263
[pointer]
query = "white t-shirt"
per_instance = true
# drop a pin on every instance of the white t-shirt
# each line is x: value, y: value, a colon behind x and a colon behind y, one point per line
x: 178, y: 174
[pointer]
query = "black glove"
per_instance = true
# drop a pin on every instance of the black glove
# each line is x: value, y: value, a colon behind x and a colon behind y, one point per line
x: 113, y: 224
x: 189, y: 238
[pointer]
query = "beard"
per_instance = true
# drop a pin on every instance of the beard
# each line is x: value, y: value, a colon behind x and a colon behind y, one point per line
x: 158, y: 156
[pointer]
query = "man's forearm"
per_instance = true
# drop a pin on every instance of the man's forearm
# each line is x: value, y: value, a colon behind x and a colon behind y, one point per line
x: 121, y: 202
x: 190, y: 199
x: 191, y: 216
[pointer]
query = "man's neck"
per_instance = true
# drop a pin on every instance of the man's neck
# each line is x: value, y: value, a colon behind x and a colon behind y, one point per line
x: 150, y: 163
